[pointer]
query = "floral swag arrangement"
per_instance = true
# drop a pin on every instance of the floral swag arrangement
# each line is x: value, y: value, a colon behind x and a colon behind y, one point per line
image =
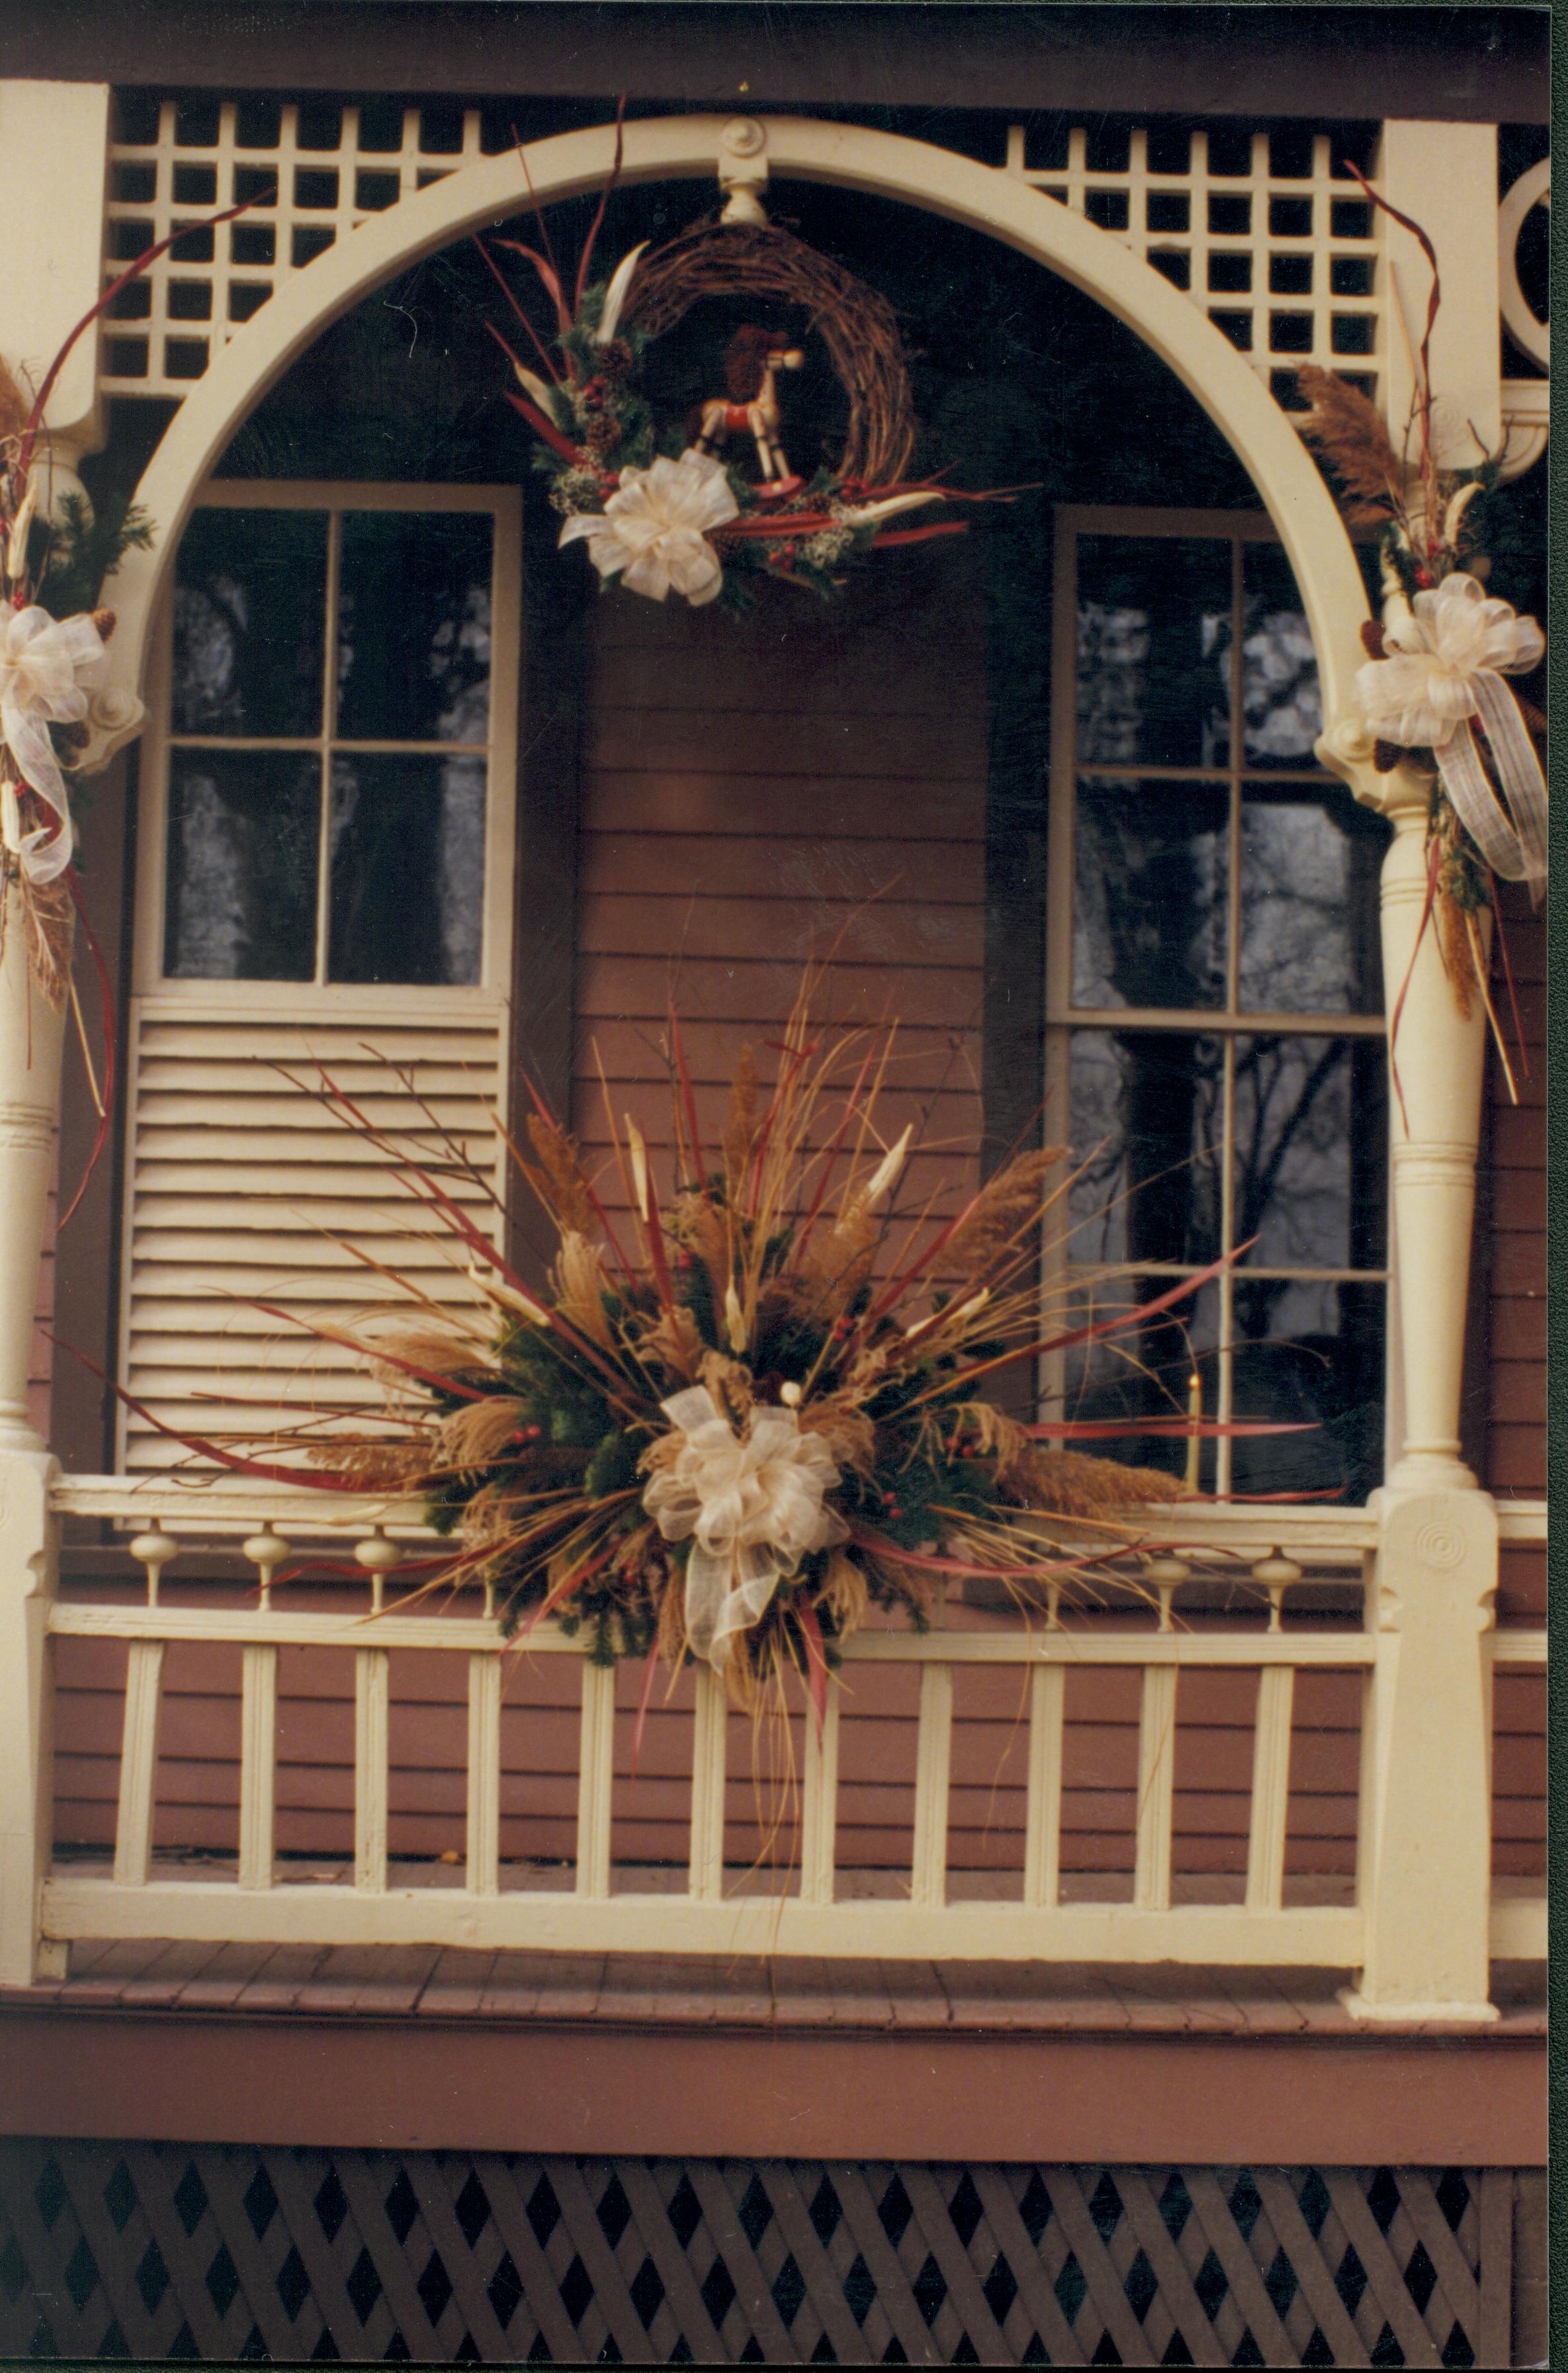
x: 731, y: 1437
x: 668, y: 511
x: 1433, y: 686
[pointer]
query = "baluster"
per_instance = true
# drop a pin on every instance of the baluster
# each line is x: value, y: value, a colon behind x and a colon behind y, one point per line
x: 258, y: 1726
x: 1156, y: 1788
x: 1042, y: 1839
x: 933, y: 1764
x: 596, y: 1777
x: 1156, y: 1753
x: 258, y: 1764
x: 153, y: 1550
x: 710, y: 1727
x: 138, y: 1750
x: 266, y: 1552
x: 483, y: 1842
x: 139, y: 1763
x: 1271, y: 1752
x: 819, y: 1801
x: 380, y: 1556
x: 371, y: 1688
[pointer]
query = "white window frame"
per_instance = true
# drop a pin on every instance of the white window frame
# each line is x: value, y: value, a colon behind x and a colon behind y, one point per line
x: 1063, y: 1018
x: 290, y: 998
x: 476, y: 1013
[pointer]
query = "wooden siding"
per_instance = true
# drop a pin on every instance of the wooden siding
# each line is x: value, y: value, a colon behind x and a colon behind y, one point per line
x: 1511, y: 1236
x: 799, y: 782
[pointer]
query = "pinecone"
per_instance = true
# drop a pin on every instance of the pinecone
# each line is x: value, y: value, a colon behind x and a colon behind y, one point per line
x: 1372, y: 638
x: 104, y: 621
x: 603, y: 433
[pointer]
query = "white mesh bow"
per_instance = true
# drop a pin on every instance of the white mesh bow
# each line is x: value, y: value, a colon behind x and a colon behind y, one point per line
x: 45, y: 666
x: 750, y: 1504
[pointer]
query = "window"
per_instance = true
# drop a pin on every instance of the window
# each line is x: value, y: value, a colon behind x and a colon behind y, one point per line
x: 1215, y: 1010
x: 331, y: 745
x: 324, y: 877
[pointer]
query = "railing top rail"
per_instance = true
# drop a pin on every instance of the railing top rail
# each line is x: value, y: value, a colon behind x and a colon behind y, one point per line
x: 232, y: 1504
x: 1068, y: 1644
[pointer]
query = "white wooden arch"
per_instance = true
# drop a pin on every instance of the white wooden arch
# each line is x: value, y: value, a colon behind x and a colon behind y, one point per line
x: 702, y: 147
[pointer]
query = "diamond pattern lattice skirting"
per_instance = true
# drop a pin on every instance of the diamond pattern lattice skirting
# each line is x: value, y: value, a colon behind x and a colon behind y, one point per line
x: 160, y: 2252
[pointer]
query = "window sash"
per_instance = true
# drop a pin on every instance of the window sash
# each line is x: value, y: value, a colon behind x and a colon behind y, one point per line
x: 1064, y: 1019
x: 503, y: 505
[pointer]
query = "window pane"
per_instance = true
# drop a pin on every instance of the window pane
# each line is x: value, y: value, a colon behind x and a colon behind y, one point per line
x: 1282, y: 701
x: 1311, y: 862
x: 1311, y: 1150
x: 244, y: 829
x: 1145, y: 1120
x: 1309, y: 1353
x: 407, y: 870
x: 414, y: 627
x: 250, y: 609
x: 1154, y: 650
x: 1144, y: 1371
x: 1151, y: 863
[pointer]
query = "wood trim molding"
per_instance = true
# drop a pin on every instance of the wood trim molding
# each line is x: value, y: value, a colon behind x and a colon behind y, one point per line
x: 396, y: 2083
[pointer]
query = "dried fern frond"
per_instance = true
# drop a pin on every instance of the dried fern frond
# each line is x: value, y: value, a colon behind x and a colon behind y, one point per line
x: 580, y: 1284
x: 1070, y: 1483
x: 14, y: 406
x: 1005, y: 1206
x: 477, y: 1434
x: 674, y: 1341
x: 845, y: 1428
x: 1348, y: 431
x: 571, y: 1201
x: 740, y: 1126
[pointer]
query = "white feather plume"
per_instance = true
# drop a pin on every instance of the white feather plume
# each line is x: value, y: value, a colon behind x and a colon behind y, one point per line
x: 615, y: 295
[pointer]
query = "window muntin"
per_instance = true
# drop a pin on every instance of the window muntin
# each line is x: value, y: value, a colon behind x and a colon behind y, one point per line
x: 1215, y: 1033
x: 329, y: 753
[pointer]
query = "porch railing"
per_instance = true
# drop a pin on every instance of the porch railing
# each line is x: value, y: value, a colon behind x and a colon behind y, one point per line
x: 1277, y: 1562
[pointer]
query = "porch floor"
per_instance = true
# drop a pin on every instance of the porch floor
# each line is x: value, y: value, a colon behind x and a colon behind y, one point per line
x: 430, y: 1983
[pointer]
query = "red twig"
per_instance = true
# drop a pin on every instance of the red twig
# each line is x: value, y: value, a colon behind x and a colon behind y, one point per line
x: 604, y: 201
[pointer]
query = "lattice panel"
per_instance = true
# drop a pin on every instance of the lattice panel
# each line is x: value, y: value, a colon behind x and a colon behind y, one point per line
x: 1280, y: 249
x: 160, y: 2252
x: 316, y: 170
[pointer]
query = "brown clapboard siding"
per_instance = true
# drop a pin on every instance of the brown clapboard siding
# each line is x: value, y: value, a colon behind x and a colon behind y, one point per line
x: 1511, y: 1246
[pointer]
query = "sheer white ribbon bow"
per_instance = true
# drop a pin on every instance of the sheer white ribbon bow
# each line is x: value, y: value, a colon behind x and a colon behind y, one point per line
x: 45, y: 664
x: 652, y: 532
x: 754, y: 1506
x: 1445, y: 666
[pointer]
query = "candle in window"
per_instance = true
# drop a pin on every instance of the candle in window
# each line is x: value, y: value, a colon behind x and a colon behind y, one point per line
x: 1194, y: 1415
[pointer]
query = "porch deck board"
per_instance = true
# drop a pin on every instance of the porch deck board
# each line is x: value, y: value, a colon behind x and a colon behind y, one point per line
x: 306, y: 1981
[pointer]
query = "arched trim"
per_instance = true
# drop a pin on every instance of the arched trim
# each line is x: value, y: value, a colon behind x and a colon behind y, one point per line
x: 691, y: 146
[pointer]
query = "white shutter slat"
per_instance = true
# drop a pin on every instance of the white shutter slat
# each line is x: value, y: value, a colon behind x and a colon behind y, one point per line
x: 237, y: 1184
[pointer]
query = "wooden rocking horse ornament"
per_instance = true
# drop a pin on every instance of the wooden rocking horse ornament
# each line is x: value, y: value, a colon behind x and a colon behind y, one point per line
x: 751, y: 362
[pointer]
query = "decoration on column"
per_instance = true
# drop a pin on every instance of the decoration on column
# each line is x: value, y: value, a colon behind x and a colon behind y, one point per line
x: 675, y: 506
x: 54, y: 558
x: 767, y: 1412
x: 1433, y: 686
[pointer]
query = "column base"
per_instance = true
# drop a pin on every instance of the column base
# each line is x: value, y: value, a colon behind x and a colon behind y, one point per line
x: 1408, y: 2013
x: 1430, y: 1470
